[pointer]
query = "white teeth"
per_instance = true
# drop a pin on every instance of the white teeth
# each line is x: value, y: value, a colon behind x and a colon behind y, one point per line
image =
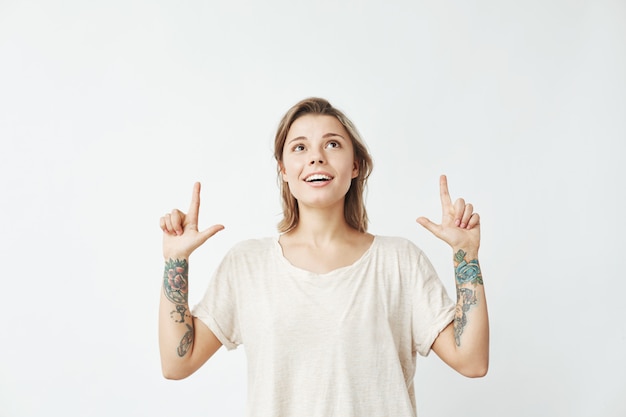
x: 318, y: 177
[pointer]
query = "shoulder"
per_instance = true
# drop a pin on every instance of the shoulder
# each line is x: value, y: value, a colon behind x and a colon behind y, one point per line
x: 402, y: 251
x: 401, y: 259
x: 253, y: 250
x: 248, y: 256
x: 251, y: 247
x: 398, y: 244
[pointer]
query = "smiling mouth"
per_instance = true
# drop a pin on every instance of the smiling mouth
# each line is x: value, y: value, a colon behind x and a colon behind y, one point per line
x: 318, y: 178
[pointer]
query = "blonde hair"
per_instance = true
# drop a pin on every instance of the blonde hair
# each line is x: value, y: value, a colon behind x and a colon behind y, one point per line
x: 354, y: 204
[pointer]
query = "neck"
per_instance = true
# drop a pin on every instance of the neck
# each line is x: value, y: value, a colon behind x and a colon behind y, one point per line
x: 321, y: 226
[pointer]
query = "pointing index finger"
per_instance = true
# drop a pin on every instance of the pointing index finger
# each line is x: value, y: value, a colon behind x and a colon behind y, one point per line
x: 194, y: 207
x: 446, y: 201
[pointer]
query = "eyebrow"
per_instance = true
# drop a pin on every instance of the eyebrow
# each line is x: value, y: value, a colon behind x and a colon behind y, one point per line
x: 326, y: 136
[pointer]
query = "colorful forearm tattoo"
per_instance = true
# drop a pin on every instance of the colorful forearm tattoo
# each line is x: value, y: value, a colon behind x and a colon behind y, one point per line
x: 175, y: 281
x: 175, y: 287
x: 466, y: 274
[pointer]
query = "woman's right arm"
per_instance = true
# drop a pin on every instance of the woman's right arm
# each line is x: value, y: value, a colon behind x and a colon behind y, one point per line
x: 184, y: 341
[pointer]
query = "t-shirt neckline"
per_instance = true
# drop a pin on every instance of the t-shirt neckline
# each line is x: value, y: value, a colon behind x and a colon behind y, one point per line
x: 338, y: 271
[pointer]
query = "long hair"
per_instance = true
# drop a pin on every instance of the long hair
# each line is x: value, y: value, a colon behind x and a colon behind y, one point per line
x: 354, y: 204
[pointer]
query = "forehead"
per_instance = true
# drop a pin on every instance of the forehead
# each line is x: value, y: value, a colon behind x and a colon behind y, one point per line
x: 312, y: 126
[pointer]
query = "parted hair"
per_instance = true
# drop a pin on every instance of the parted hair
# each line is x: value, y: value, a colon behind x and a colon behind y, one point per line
x: 354, y: 204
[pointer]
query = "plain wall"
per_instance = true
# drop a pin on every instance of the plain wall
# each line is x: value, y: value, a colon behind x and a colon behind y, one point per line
x: 109, y: 111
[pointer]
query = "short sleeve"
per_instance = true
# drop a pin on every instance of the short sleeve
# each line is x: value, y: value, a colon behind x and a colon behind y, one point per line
x: 433, y: 309
x: 218, y: 308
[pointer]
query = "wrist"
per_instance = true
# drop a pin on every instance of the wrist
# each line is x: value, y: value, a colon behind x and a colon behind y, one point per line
x: 466, y: 268
x: 175, y: 256
x: 469, y: 253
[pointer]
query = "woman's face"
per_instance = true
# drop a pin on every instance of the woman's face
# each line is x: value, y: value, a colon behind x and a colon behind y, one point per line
x: 318, y: 161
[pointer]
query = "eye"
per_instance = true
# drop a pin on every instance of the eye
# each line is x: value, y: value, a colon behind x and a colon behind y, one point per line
x: 333, y: 144
x: 298, y: 148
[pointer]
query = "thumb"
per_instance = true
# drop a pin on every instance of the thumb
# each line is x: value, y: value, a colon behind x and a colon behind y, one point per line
x: 206, y: 234
x: 428, y: 225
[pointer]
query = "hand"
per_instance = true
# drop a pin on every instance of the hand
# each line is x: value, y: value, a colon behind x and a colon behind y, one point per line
x: 460, y: 226
x: 180, y: 231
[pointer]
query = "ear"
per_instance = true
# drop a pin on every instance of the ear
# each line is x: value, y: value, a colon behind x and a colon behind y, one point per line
x: 355, y: 169
x: 281, y: 169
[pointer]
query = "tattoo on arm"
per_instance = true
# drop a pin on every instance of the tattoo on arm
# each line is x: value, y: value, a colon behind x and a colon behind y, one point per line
x: 185, y: 342
x: 176, y: 287
x: 175, y: 281
x: 182, y: 310
x: 465, y: 299
x: 466, y: 273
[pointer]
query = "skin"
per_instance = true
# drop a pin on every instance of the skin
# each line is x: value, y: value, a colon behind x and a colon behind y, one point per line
x: 184, y: 341
x: 464, y: 344
x: 322, y: 241
x: 320, y: 144
x: 317, y: 143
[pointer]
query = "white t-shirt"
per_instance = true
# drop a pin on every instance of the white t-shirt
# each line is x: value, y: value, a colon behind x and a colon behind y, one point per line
x: 338, y: 344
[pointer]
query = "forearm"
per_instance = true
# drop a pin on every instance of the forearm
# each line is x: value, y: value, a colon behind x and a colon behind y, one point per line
x: 471, y: 322
x: 176, y: 327
x: 184, y: 341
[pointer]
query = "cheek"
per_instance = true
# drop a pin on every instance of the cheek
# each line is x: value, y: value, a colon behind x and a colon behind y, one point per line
x: 287, y: 169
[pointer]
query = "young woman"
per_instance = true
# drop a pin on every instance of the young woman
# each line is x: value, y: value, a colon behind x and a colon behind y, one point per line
x: 331, y: 316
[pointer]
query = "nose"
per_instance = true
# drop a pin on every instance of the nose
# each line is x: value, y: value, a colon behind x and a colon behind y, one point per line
x: 316, y: 157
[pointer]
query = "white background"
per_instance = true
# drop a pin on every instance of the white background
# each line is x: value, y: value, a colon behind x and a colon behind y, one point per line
x: 109, y: 111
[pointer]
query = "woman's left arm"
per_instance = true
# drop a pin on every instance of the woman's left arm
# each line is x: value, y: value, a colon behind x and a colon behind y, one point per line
x: 464, y: 344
